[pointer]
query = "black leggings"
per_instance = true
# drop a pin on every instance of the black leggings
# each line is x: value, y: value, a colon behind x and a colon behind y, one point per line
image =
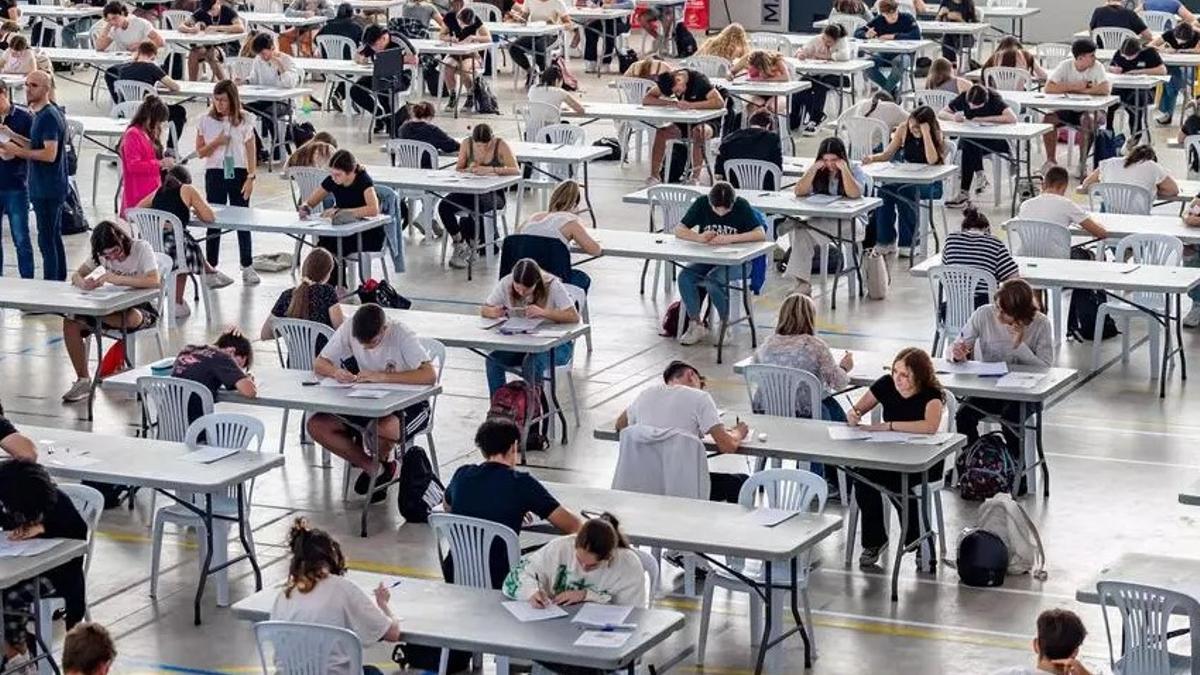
x: 870, y: 504
x: 456, y: 202
x: 521, y: 48
x: 218, y: 190
x: 592, y: 30
x: 973, y: 152
x: 813, y: 98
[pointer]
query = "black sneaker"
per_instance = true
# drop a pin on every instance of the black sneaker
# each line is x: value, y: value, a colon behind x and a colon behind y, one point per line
x: 387, y: 475
x: 870, y: 555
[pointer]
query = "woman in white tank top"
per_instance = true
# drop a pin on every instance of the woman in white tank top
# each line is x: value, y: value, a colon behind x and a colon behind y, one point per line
x: 561, y: 221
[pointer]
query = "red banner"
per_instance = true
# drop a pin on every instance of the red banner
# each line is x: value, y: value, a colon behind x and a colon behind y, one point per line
x: 695, y: 14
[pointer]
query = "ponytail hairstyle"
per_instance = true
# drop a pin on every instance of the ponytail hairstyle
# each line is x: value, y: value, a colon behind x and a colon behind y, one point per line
x: 530, y: 275
x: 318, y: 265
x: 422, y: 110
x: 106, y: 235
x: 974, y: 220
x: 1139, y: 154
x: 551, y: 77
x: 601, y: 536
x: 315, y: 555
x: 879, y: 97
x: 176, y: 177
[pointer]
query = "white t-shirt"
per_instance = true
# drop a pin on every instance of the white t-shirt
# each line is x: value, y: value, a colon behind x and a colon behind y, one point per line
x: 400, y: 351
x: 140, y: 262
x: 128, y: 38
x: 675, y: 406
x: 339, y: 602
x: 211, y: 127
x: 549, y: 11
x: 1146, y: 174
x: 549, y: 225
x: 1052, y: 208
x: 550, y: 95
x: 1065, y: 73
x: 557, y: 298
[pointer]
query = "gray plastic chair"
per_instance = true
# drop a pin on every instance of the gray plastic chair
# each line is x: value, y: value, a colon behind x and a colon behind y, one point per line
x: 956, y: 285
x: 305, y: 648
x: 1041, y: 239
x: 90, y: 504
x: 300, y: 337
x: 1146, y: 613
x: 437, y: 353
x: 751, y: 174
x: 1120, y: 198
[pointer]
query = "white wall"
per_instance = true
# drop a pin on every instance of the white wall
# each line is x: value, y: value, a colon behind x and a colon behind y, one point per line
x: 1058, y: 20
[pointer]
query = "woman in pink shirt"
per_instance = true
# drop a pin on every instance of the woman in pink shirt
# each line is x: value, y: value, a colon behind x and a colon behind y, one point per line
x: 141, y: 153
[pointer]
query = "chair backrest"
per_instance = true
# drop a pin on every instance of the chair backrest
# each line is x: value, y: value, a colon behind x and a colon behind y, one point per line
x: 239, y: 66
x: 956, y: 285
x: 305, y: 648
x: 150, y: 224
x: 1050, y: 54
x: 650, y: 567
x: 562, y: 134
x: 671, y: 202
x: 437, y: 354
x: 165, y: 265
x: 631, y: 89
x: 782, y: 391
x: 659, y: 461
x: 485, y: 12
x: 1004, y: 78
x: 132, y: 90
x: 1146, y: 613
x: 1151, y: 249
x: 75, y: 134
x: 934, y: 98
x: 125, y: 110
x: 227, y: 430
x: 771, y: 42
x: 787, y: 489
x: 850, y: 22
x: 411, y: 154
x: 751, y: 174
x: 89, y: 503
x: 549, y: 253
x: 306, y: 180
x: 536, y: 115
x: 712, y: 66
x: 1119, y: 198
x: 336, y: 47
x: 300, y: 337
x: 862, y: 135
x: 166, y: 400
x: 174, y: 18
x: 469, y: 541
x: 1159, y: 22
x: 1111, y: 37
x: 1039, y: 239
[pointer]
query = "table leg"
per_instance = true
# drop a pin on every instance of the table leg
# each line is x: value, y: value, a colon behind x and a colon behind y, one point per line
x: 903, y: 536
x: 478, y: 237
x: 1167, y: 342
x: 1029, y: 445
x: 96, y: 378
x: 341, y: 258
x: 768, y: 610
x: 587, y: 197
x: 40, y: 640
x: 207, y: 517
x: 1179, y: 336
x: 723, y: 319
x: 554, y: 398
x: 746, y: 304
x: 808, y: 655
x: 361, y: 252
x: 1041, y: 453
x: 243, y: 525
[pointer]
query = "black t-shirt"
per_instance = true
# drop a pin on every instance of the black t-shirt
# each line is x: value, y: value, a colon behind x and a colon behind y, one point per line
x: 896, y: 408
x: 351, y: 196
x: 321, y: 298
x: 141, y: 71
x: 698, y: 86
x: 1174, y: 43
x: 1117, y: 17
x: 346, y: 28
x: 459, y: 31
x: 1147, y: 58
x: 994, y: 106
x: 225, y: 17
x: 738, y: 220
x: 210, y: 367
x: 6, y: 428
x: 1191, y: 125
x: 368, y: 52
x: 960, y: 7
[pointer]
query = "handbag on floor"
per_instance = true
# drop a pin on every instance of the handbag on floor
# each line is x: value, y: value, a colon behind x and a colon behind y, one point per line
x: 875, y: 276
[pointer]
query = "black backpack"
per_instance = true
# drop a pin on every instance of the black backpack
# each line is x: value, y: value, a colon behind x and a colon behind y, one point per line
x: 685, y: 44
x: 485, y: 101
x: 74, y: 220
x: 625, y: 59
x: 982, y: 559
x: 1081, y: 315
x: 985, y: 468
x: 383, y: 294
x: 1108, y: 144
x: 431, y: 75
x: 419, y: 489
x: 113, y: 494
x: 614, y: 149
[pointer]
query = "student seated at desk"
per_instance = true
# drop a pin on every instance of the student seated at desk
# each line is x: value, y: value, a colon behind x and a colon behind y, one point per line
x: 795, y: 345
x: 1183, y: 38
x: 912, y: 402
x: 354, y: 198
x: 852, y: 8
x: 315, y: 153
x: 298, y: 40
x: 890, y: 24
x: 919, y: 141
x: 1054, y: 207
x: 420, y: 127
x: 561, y: 221
x: 317, y: 591
x: 981, y: 105
x: 719, y: 219
x: 952, y: 11
x: 880, y: 107
x: 125, y: 262
x: 313, y: 299
x: 377, y: 39
x: 830, y: 45
x: 19, y: 58
x: 596, y: 564
x: 831, y: 174
x: 145, y: 68
x: 974, y: 245
x: 549, y: 90
x: 1010, y: 330
x: 1139, y: 167
x: 15, y: 443
x: 681, y: 403
x: 534, y: 49
x: 460, y: 26
x: 1134, y: 59
x: 372, y: 348
x: 123, y: 33
x: 943, y: 76
x: 1114, y: 14
x: 223, y: 364
x: 1010, y: 53
x: 482, y: 154
x: 758, y: 140
x: 212, y: 16
x: 594, y: 59
x: 684, y: 89
x: 495, y: 491
x: 1081, y: 74
x: 1060, y: 634
x: 34, y: 508
x: 270, y: 67
x: 88, y: 649
x: 177, y: 197
x: 534, y: 294
x: 762, y: 65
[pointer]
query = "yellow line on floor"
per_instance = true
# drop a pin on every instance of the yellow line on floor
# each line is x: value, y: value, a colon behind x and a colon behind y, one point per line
x: 398, y: 570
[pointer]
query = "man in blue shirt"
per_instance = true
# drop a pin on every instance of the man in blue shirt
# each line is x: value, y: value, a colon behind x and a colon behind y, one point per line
x: 14, y: 193
x: 45, y: 148
x: 891, y: 24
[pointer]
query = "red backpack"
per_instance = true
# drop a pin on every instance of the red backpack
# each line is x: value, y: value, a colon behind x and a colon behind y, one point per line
x: 518, y: 402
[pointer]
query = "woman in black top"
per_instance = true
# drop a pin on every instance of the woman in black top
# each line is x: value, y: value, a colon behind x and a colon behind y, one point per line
x: 376, y: 39
x: 313, y: 299
x: 1134, y: 59
x: 32, y: 507
x: 177, y: 197
x: 462, y: 26
x: 912, y: 401
x: 957, y: 11
x: 919, y: 141
x: 483, y: 154
x: 1182, y: 38
x: 977, y: 104
x: 354, y: 198
x: 420, y: 127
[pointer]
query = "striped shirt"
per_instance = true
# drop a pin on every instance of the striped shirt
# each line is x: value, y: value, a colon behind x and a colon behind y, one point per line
x: 982, y: 251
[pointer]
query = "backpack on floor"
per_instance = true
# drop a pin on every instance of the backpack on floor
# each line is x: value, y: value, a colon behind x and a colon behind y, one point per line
x: 299, y: 133
x: 428, y: 659
x: 685, y: 43
x: 113, y: 494
x: 483, y: 98
x: 570, y: 82
x: 1107, y: 144
x: 516, y: 402
x: 982, y: 558
x: 626, y: 59
x: 74, y: 220
x: 876, y: 278
x: 383, y: 294
x: 1081, y: 316
x: 985, y: 468
x: 419, y: 488
x: 614, y: 149
x: 1004, y: 517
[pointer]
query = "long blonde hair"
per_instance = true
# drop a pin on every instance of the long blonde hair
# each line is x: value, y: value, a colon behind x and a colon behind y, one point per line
x: 767, y: 62
x: 648, y: 68
x: 565, y: 197
x: 797, y: 316
x: 731, y: 43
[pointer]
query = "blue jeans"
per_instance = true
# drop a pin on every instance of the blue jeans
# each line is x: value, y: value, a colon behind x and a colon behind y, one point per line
x: 886, y: 214
x: 896, y: 66
x: 498, y: 361
x: 49, y: 237
x: 15, y: 205
x: 1171, y: 90
x: 713, y: 280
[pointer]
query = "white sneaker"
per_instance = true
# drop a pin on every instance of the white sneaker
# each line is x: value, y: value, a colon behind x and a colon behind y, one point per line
x: 182, y: 311
x: 1192, y: 318
x: 981, y: 183
x: 590, y: 67
x: 696, y: 332
x: 78, y: 391
x: 250, y: 277
x: 1163, y: 119
x: 458, y: 258
x: 217, y: 279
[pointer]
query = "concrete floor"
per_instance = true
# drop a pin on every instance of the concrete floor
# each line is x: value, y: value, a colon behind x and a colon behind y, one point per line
x: 1118, y: 454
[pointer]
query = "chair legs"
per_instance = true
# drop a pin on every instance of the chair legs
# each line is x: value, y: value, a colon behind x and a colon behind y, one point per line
x: 284, y: 429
